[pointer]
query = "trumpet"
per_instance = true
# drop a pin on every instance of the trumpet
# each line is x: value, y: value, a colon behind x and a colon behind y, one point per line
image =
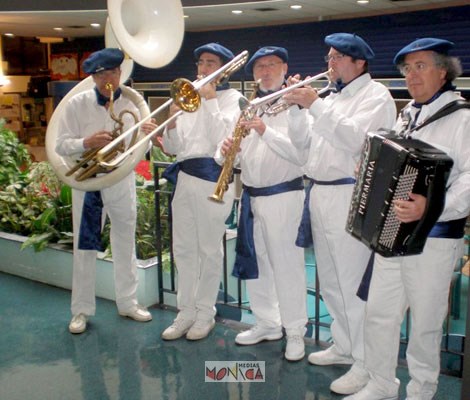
x: 271, y: 108
x: 185, y: 95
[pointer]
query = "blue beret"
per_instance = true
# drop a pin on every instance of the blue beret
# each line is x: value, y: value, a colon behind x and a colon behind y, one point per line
x: 350, y: 44
x: 281, y: 52
x: 214, y: 48
x: 438, y: 45
x: 108, y: 58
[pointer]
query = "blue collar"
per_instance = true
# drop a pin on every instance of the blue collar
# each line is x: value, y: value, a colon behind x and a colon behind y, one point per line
x: 447, y: 86
x: 340, y: 85
x: 224, y: 86
x: 102, y: 100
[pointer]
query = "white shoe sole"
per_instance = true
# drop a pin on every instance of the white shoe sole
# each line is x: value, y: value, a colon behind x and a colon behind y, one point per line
x: 136, y: 317
x: 297, y: 358
x: 273, y: 336
x: 76, y: 331
x: 198, y: 336
x: 319, y: 361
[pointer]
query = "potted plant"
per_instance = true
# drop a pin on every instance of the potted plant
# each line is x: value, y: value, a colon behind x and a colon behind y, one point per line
x: 36, y: 206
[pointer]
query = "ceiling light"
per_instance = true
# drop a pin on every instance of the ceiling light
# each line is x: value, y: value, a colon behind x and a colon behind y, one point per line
x: 296, y: 7
x: 9, y: 34
x: 186, y: 16
x: 237, y: 12
x: 58, y: 29
x: 362, y: 1
x: 95, y: 25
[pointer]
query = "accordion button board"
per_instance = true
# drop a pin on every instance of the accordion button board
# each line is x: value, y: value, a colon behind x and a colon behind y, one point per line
x: 390, y: 168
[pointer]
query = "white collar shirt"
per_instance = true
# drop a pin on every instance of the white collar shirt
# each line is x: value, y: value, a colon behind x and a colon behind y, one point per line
x: 335, y: 128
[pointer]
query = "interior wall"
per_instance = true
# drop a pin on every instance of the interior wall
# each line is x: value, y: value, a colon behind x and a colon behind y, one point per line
x: 386, y: 35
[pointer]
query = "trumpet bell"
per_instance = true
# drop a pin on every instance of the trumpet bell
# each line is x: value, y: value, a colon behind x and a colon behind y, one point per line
x: 185, y: 95
x: 150, y: 31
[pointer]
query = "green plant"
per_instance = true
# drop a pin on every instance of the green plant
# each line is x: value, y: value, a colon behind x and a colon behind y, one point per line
x: 14, y: 157
x: 35, y: 203
x: 54, y: 224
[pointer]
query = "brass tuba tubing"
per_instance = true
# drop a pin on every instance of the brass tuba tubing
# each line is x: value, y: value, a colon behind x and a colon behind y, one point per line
x: 101, y: 155
x: 222, y: 73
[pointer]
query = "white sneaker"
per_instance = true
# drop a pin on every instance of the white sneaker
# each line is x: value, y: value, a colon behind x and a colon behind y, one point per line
x: 372, y: 392
x: 257, y: 334
x: 351, y: 382
x: 137, y: 313
x: 178, y: 329
x: 295, y: 349
x: 328, y: 357
x: 78, y: 323
x: 200, y: 329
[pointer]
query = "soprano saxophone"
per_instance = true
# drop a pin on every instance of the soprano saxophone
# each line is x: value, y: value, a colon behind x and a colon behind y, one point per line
x: 239, y: 133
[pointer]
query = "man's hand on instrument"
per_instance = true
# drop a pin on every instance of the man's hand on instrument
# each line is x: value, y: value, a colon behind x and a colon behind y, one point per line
x: 97, y: 140
x: 226, y: 146
x: 172, y: 111
x: 303, y: 96
x: 148, y: 128
x: 410, y: 210
x: 292, y: 80
x: 208, y: 91
x: 255, y: 123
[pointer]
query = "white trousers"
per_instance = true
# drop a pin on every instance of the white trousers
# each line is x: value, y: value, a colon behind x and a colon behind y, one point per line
x: 278, y: 296
x: 341, y: 261
x: 119, y: 203
x: 198, y: 229
x: 421, y: 283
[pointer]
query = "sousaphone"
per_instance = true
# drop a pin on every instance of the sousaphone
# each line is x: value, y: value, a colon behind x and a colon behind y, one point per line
x: 150, y: 32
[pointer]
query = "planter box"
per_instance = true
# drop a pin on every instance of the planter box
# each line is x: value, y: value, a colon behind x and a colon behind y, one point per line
x: 53, y: 266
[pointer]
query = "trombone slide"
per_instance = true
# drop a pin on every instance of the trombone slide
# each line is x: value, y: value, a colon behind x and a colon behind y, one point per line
x: 222, y: 73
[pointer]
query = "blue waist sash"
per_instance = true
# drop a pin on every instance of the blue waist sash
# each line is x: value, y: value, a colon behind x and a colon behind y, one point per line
x: 90, y: 224
x: 454, y: 229
x: 246, y: 266
x: 304, y: 234
x: 202, y: 167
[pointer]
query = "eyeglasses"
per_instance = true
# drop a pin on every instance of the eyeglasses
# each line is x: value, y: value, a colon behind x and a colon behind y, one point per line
x: 334, y: 57
x: 269, y: 66
x: 107, y: 72
x: 419, y: 68
x: 209, y: 63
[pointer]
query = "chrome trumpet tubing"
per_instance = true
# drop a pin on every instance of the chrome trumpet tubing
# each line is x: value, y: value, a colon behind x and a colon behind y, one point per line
x: 271, y: 108
x: 189, y: 101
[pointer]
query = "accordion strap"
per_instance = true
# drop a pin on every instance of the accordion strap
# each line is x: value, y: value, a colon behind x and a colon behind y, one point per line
x: 446, y: 110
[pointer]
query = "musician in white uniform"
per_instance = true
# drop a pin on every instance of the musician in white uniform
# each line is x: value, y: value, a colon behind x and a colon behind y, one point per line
x: 199, y: 224
x: 87, y: 124
x: 420, y: 282
x: 334, y: 129
x: 273, y: 187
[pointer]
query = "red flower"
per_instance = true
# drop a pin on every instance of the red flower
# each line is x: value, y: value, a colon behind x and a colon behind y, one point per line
x: 44, y: 189
x: 143, y: 169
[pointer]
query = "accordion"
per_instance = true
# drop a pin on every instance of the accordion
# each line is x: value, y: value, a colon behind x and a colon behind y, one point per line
x: 391, y: 168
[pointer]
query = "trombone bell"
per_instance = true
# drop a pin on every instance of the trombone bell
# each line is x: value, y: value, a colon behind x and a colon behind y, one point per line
x: 185, y: 95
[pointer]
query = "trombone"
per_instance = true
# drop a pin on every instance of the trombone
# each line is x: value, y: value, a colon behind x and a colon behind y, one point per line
x: 185, y: 95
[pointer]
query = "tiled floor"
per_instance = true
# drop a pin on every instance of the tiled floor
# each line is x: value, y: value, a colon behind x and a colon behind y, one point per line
x: 120, y: 359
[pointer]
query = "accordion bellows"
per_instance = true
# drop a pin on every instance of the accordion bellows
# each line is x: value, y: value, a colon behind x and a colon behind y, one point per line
x: 391, y: 168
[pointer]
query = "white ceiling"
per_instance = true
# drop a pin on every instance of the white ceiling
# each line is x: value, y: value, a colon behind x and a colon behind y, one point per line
x: 214, y: 17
